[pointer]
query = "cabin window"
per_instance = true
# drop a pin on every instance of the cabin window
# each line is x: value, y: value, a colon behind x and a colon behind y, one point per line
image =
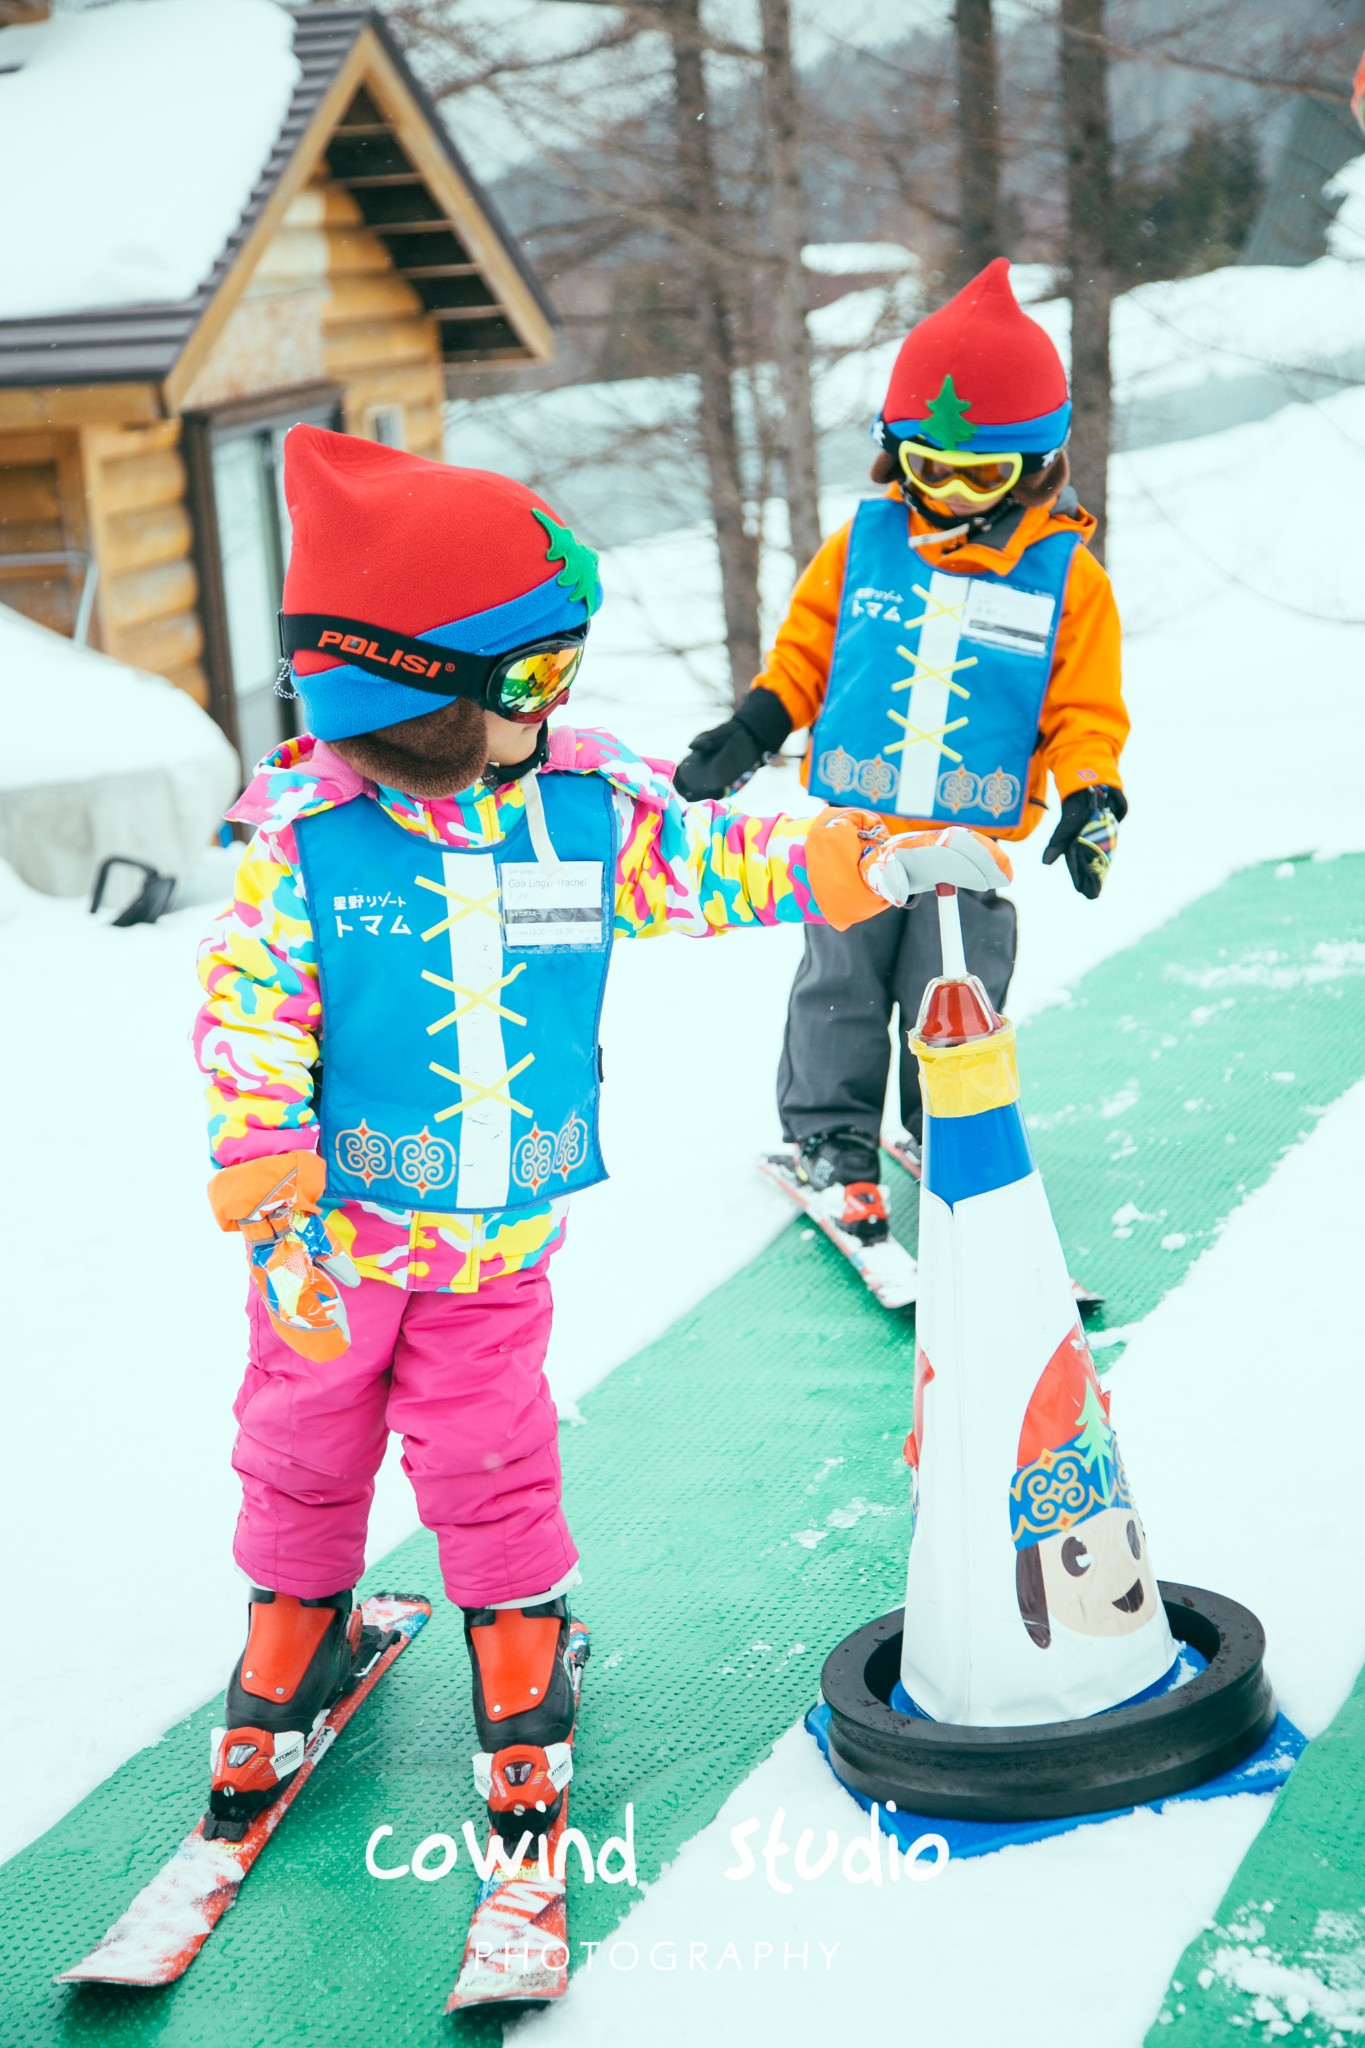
x: 385, y: 424
x: 236, y: 463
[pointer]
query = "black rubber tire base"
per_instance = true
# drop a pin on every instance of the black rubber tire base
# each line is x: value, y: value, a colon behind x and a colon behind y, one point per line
x: 1052, y: 1770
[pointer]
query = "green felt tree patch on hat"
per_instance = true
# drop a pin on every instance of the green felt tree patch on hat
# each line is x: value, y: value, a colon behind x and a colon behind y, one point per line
x: 579, y: 574
x: 947, y: 418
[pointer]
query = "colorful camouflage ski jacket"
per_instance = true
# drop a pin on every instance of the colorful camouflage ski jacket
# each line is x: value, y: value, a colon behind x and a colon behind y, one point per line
x: 697, y: 869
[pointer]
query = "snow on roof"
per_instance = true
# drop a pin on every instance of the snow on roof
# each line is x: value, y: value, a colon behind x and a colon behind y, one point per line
x: 848, y: 259
x: 135, y: 133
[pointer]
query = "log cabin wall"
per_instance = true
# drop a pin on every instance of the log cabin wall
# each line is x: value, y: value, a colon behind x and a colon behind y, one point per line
x: 325, y: 305
x: 146, y: 609
x: 381, y: 345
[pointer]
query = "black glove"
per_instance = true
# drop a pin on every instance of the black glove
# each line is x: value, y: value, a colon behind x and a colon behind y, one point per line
x: 726, y: 755
x: 1087, y: 833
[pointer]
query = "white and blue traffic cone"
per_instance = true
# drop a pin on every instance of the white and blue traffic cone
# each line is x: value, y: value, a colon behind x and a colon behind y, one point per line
x: 1037, y: 1668
x: 1030, y: 1594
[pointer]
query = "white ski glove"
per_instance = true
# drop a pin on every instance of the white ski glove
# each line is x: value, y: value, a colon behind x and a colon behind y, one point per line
x: 911, y: 862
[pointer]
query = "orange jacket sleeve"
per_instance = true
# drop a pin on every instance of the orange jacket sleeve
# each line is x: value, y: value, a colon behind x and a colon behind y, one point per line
x: 1084, y: 720
x: 798, y: 667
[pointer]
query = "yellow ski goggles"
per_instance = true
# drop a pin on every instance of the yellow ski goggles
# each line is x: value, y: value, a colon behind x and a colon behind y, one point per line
x: 941, y: 473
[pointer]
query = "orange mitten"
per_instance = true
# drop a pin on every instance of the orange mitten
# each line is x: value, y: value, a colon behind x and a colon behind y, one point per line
x: 856, y: 868
x: 837, y: 845
x: 274, y: 1203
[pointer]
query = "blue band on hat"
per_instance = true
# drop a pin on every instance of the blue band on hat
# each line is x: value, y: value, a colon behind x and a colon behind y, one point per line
x: 1012, y: 437
x: 340, y: 702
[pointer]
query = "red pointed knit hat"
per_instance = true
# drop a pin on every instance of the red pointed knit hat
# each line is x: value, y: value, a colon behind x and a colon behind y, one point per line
x: 461, y: 557
x: 980, y: 375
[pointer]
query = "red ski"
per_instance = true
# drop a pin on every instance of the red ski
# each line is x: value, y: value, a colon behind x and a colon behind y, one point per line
x: 172, y: 1917
x: 517, y: 1948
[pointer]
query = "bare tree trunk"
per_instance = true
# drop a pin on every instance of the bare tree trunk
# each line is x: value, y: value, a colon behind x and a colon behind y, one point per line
x: 1085, y: 123
x: 978, y: 138
x: 790, y: 337
x: 699, y: 201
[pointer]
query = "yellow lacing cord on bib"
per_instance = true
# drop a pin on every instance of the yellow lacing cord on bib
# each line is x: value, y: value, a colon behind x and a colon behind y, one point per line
x: 496, y: 1091
x: 914, y: 735
x: 477, y: 998
x: 940, y: 609
x: 468, y: 904
x: 924, y: 671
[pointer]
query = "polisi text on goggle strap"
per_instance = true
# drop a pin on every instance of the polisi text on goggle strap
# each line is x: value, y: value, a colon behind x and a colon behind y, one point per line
x: 353, y: 643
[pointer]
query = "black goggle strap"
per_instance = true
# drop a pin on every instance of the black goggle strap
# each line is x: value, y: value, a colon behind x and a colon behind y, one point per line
x: 417, y: 664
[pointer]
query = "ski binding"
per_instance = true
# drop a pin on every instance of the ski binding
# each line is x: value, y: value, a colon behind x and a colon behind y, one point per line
x: 886, y: 1269
x: 517, y: 1948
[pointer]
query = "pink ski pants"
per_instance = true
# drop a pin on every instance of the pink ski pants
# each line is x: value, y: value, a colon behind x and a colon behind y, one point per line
x: 460, y: 1377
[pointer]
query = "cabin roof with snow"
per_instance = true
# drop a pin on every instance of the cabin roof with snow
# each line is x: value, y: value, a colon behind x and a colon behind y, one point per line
x: 221, y: 217
x: 352, y: 111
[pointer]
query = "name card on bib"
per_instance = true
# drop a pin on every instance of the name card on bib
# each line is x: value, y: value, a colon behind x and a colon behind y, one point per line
x: 1019, y: 620
x: 552, y: 904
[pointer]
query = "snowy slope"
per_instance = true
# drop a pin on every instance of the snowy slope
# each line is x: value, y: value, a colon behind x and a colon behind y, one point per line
x: 151, y: 121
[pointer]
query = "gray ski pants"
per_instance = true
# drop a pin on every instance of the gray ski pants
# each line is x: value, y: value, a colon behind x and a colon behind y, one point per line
x: 837, y: 1048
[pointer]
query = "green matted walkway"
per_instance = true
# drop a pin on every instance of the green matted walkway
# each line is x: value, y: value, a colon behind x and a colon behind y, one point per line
x: 1285, y: 1955
x: 743, y: 1472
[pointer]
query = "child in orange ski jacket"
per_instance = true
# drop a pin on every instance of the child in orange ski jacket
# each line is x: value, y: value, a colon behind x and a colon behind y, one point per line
x: 949, y: 648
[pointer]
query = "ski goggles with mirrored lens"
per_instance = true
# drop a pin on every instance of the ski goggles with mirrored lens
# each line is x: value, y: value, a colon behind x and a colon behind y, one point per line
x: 535, y: 679
x: 524, y: 684
x: 940, y: 474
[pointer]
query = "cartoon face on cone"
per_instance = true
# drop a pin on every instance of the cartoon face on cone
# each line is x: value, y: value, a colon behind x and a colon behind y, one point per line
x: 1098, y: 1580
x: 1081, y: 1554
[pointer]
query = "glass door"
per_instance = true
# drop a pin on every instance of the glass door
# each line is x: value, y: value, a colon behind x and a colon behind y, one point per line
x: 252, y: 554
x: 236, y: 464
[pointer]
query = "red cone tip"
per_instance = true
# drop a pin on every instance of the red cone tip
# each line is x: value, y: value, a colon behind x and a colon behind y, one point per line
x: 956, y: 1012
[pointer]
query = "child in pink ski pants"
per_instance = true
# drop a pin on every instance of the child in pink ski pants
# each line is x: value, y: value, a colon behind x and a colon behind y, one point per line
x: 460, y: 1379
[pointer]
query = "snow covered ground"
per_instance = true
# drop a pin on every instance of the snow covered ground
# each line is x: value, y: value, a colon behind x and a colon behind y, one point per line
x: 1237, y: 562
